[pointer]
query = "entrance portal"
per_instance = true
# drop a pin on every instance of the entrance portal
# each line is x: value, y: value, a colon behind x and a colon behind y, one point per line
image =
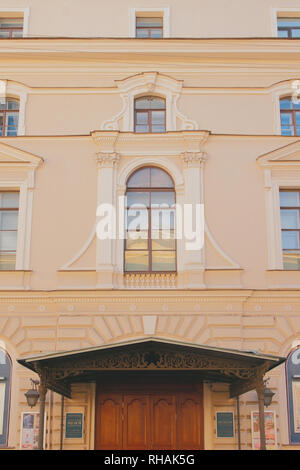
x: 149, y: 417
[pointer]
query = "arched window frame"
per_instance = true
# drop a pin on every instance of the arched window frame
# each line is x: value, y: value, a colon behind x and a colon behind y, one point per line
x: 5, y: 382
x: 151, y: 189
x: 149, y: 111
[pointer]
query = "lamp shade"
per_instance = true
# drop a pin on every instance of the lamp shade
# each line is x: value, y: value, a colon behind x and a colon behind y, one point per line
x: 32, y: 397
x: 268, y: 395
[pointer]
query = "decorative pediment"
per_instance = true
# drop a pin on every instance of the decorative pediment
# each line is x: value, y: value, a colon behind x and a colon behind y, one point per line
x: 144, y: 84
x: 289, y: 155
x: 12, y: 155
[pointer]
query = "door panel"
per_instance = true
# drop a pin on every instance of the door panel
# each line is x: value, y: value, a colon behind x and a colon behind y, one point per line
x: 163, y: 422
x: 136, y: 433
x: 109, y: 422
x: 189, y: 420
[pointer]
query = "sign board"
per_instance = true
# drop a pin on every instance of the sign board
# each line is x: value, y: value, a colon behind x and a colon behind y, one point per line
x: 30, y: 430
x: 270, y: 430
x: 74, y: 426
x: 225, y: 423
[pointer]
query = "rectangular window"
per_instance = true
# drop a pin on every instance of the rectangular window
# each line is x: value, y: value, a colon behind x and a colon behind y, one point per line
x: 9, y: 212
x: 150, y: 28
x: 288, y: 27
x: 290, y: 228
x: 11, y: 28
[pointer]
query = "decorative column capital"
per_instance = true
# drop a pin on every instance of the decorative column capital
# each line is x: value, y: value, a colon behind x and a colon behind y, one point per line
x: 194, y: 159
x: 108, y: 160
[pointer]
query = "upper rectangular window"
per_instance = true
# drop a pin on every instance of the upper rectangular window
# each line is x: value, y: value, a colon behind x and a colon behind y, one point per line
x: 290, y: 228
x: 289, y: 116
x: 149, y: 27
x: 9, y: 213
x: 11, y: 28
x: 288, y: 27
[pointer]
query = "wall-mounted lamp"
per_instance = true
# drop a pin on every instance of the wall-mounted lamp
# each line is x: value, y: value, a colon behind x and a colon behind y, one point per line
x: 32, y: 395
x: 268, y: 394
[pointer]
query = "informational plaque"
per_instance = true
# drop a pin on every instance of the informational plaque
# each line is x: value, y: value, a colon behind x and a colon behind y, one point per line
x: 74, y: 426
x: 225, y: 424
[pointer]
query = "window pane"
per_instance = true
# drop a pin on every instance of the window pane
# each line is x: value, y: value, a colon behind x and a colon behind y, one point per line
x: 158, y: 117
x: 289, y: 198
x: 149, y: 22
x: 7, y: 261
x: 137, y: 240
x: 136, y: 261
x: 283, y: 34
x: 163, y: 219
x: 142, y: 33
x: 141, y: 118
x: 140, y: 179
x: 156, y: 33
x: 163, y: 239
x: 137, y: 198
x: 286, y: 119
x: 12, y: 124
x: 160, y: 179
x: 289, y: 22
x: 290, y: 240
x: 4, y: 34
x: 291, y: 260
x: 9, y: 199
x: 141, y: 128
x: 163, y: 261
x: 8, y: 220
x: 17, y: 34
x: 296, y: 33
x: 8, y: 241
x: 163, y: 197
x: 290, y: 218
x: 142, y: 103
x: 157, y: 103
x: 137, y: 219
x: 12, y: 104
x: 286, y: 103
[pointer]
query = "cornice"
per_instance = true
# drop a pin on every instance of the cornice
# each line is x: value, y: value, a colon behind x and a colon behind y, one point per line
x: 242, y: 48
x: 168, y: 143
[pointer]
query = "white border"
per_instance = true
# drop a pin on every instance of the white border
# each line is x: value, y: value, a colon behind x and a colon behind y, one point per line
x: 166, y: 19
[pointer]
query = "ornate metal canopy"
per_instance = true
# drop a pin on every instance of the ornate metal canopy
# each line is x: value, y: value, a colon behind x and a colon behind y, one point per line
x: 243, y: 370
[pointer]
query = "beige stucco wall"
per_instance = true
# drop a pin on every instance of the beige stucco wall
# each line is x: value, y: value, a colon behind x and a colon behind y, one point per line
x: 239, y: 297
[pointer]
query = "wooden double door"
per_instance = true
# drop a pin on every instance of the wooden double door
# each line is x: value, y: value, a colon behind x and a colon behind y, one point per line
x: 158, y: 417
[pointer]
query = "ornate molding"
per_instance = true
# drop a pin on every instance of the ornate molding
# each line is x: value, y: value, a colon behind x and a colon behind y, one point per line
x: 108, y: 160
x: 192, y: 159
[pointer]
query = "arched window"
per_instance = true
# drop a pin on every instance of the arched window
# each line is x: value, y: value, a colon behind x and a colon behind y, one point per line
x: 149, y: 114
x: 293, y: 384
x: 9, y: 116
x: 150, y: 244
x: 5, y: 375
x: 289, y: 116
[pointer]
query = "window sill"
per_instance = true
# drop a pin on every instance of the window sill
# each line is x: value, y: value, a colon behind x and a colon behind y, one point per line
x: 283, y: 278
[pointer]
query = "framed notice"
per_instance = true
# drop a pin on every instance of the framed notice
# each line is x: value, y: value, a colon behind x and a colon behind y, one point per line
x: 270, y: 430
x: 225, y: 424
x: 30, y: 430
x: 74, y: 426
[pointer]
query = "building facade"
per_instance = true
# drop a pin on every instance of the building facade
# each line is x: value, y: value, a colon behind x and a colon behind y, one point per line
x: 171, y: 107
